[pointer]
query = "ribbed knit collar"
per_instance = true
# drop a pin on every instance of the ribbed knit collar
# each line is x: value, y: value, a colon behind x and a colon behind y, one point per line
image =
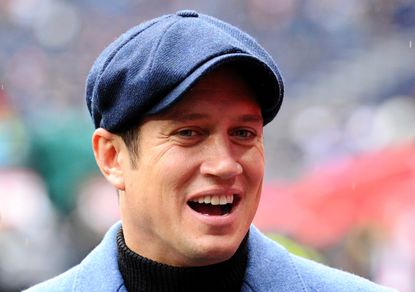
x: 142, y: 274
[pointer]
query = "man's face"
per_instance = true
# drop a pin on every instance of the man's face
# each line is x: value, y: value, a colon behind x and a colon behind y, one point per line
x: 197, y: 184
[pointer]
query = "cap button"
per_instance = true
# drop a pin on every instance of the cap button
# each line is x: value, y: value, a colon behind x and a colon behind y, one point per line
x: 187, y: 13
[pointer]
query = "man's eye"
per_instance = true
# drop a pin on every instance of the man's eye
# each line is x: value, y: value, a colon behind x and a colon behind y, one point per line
x: 243, y: 133
x: 187, y: 133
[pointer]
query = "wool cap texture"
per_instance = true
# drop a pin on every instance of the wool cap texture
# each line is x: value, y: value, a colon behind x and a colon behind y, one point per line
x: 151, y: 66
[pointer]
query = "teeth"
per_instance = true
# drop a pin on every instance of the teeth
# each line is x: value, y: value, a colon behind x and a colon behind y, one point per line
x: 215, y: 200
x: 223, y: 200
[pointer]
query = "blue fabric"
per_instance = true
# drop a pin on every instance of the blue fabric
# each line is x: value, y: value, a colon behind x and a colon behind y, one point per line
x: 152, y: 65
x: 270, y: 268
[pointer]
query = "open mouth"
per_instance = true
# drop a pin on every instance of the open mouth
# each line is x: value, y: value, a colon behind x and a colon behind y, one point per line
x: 213, y: 205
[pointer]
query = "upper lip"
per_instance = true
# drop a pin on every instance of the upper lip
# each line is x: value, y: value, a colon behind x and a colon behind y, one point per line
x: 217, y: 191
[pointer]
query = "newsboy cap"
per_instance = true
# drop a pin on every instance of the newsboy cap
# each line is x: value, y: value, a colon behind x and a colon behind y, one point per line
x: 150, y: 67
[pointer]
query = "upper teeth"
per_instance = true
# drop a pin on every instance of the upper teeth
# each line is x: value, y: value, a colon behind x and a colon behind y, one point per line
x: 214, y: 200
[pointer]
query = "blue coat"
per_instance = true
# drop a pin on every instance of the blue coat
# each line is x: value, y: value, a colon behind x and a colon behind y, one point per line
x: 270, y: 268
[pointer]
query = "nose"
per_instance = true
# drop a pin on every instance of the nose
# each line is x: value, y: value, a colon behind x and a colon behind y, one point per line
x: 221, y: 162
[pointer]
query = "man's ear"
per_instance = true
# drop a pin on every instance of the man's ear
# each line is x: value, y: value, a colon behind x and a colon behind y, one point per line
x: 107, y: 148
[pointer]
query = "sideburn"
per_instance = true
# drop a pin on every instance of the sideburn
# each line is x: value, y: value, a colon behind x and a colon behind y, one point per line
x: 131, y: 140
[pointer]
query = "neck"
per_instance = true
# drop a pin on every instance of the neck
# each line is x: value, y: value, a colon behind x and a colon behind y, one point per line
x: 142, y: 274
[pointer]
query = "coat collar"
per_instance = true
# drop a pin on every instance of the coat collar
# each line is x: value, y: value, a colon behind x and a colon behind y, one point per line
x: 99, y: 270
x: 270, y: 266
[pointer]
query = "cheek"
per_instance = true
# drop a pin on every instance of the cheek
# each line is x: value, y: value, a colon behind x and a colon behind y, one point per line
x: 253, y: 163
x: 254, y: 171
x: 160, y: 179
x: 174, y: 170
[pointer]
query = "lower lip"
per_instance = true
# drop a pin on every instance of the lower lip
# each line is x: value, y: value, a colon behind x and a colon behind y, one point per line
x: 218, y: 221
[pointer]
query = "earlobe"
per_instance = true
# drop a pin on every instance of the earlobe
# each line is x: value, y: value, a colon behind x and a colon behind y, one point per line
x: 107, y: 148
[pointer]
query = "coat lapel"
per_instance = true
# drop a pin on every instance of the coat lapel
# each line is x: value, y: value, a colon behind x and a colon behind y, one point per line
x: 99, y: 270
x: 270, y: 267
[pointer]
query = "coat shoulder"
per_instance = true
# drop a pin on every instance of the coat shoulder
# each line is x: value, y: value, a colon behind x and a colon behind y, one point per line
x: 98, y: 271
x: 62, y: 282
x: 319, y: 277
x: 272, y: 268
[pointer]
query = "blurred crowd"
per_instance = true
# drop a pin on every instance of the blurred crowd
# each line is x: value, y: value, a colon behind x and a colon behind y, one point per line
x: 349, y: 68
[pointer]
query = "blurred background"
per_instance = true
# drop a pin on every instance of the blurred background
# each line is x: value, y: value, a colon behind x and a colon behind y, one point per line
x: 340, y: 171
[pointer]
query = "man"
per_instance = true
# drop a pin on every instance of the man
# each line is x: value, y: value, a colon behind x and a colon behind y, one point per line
x: 179, y: 104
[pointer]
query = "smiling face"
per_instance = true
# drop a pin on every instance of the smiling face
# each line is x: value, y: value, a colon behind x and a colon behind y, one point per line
x: 196, y: 187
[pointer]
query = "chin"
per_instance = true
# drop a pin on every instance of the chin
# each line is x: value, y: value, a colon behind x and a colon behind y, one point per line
x: 216, y: 250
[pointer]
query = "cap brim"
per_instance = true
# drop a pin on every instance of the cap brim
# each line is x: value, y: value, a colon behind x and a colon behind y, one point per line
x: 268, y: 86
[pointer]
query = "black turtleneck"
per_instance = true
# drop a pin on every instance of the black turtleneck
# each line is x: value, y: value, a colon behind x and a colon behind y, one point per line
x: 142, y: 274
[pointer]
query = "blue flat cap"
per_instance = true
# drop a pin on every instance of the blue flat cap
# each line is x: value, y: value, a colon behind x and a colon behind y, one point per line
x: 151, y: 66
